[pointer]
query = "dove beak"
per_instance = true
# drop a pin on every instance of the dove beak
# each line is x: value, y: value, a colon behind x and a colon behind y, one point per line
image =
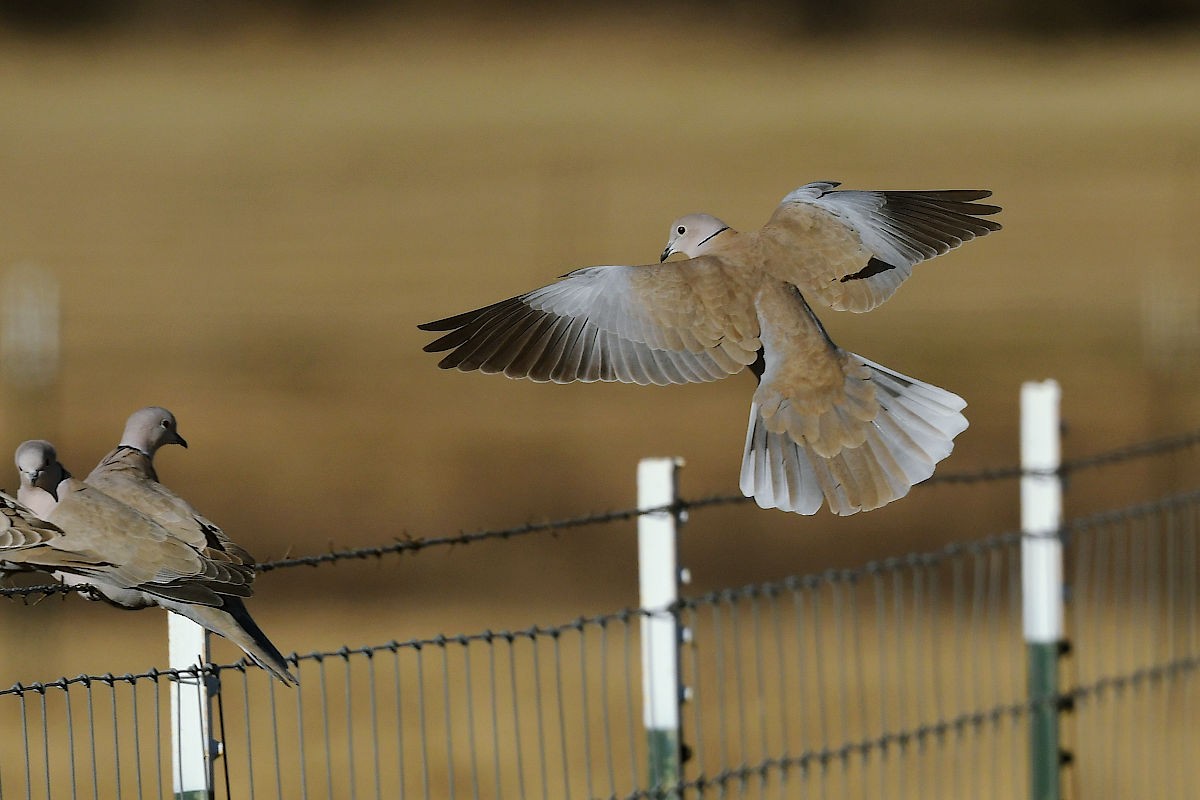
x: 665, y: 254
x: 179, y: 440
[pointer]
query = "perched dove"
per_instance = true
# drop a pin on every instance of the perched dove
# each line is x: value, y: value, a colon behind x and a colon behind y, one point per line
x: 28, y: 542
x: 824, y: 422
x: 134, y: 562
x: 127, y: 473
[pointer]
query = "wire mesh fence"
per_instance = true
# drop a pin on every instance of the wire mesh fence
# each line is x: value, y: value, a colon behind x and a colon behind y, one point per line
x: 902, y: 678
x: 1134, y: 629
x: 883, y: 681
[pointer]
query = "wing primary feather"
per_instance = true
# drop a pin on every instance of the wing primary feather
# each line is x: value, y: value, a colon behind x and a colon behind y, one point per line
x: 515, y: 359
x: 560, y: 338
x: 485, y: 320
x: 459, y: 320
x: 578, y: 362
x: 513, y: 327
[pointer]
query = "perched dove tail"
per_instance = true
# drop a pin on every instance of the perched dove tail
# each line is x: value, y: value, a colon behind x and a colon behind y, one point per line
x: 233, y: 622
x: 914, y: 430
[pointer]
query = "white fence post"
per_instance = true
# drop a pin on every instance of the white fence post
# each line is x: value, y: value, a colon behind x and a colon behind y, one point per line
x: 192, y: 748
x: 658, y: 579
x: 30, y: 331
x: 29, y: 350
x: 1042, y: 578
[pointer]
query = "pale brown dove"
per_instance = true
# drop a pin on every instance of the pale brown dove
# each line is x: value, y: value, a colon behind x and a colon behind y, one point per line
x: 136, y: 562
x: 824, y: 423
x: 28, y: 542
x: 127, y: 473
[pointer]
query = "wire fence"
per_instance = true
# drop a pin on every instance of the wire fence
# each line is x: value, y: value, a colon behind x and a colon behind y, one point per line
x: 902, y: 678
x: 408, y: 544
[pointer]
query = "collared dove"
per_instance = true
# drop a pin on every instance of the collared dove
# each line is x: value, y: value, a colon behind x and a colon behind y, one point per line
x: 824, y: 423
x: 134, y: 562
x: 127, y: 473
x: 28, y: 542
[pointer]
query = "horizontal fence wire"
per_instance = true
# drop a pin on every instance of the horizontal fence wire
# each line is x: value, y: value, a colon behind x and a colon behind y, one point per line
x: 547, y: 711
x: 903, y: 678
x: 813, y: 760
x: 413, y: 544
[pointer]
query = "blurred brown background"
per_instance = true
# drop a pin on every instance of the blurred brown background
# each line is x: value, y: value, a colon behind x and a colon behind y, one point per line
x: 248, y: 213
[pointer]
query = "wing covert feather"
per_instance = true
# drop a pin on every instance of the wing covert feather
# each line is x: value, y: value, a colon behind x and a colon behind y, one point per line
x: 851, y: 250
x: 679, y: 322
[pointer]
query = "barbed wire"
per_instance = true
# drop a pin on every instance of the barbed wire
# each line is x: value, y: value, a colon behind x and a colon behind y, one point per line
x: 531, y: 633
x: 42, y: 591
x: 792, y: 583
x: 1131, y: 452
x: 1105, y: 458
x: 1118, y: 455
x: 932, y: 558
x: 681, y: 507
x: 414, y: 545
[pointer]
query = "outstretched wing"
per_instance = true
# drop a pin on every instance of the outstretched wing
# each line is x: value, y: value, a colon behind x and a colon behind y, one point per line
x: 851, y: 250
x: 677, y: 322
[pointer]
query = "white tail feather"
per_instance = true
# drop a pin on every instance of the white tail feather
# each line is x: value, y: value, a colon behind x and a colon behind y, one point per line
x: 914, y: 430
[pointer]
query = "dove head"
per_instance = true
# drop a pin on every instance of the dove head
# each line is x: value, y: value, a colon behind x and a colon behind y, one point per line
x: 692, y: 234
x: 37, y: 462
x: 149, y: 429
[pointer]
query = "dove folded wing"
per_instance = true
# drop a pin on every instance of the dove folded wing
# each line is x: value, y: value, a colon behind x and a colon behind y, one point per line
x: 127, y: 474
x: 30, y: 543
x: 140, y: 554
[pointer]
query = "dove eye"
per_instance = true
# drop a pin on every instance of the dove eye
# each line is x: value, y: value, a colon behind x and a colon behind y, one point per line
x: 681, y: 230
x: 166, y: 423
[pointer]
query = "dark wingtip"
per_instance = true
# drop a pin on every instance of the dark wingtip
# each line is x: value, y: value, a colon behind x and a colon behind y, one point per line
x: 981, y: 209
x: 453, y: 362
x: 447, y: 324
x: 459, y: 320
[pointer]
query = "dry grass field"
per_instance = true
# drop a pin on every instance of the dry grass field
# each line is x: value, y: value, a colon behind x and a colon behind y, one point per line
x: 247, y: 229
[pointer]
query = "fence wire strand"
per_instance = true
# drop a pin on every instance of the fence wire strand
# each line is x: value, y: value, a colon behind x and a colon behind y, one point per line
x: 413, y: 545
x: 897, y: 677
x: 969, y: 721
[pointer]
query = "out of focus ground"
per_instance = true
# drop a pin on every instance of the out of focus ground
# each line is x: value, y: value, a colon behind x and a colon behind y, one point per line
x: 248, y: 227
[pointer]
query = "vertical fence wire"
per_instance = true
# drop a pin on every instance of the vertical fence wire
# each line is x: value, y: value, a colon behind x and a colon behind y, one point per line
x: 1135, y: 616
x: 900, y: 679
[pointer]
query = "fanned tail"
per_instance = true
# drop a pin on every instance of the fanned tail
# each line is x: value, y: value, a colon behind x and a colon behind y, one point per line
x: 913, y: 431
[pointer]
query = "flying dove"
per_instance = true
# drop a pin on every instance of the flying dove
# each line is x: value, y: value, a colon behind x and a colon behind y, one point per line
x: 133, y: 562
x: 824, y: 423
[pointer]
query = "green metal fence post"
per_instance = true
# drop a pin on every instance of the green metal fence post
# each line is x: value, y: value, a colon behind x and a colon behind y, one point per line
x: 1042, y: 580
x: 658, y: 579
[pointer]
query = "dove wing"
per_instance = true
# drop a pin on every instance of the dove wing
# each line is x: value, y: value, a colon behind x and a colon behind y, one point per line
x: 851, y: 250
x: 677, y: 322
x: 123, y: 475
x: 141, y: 554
